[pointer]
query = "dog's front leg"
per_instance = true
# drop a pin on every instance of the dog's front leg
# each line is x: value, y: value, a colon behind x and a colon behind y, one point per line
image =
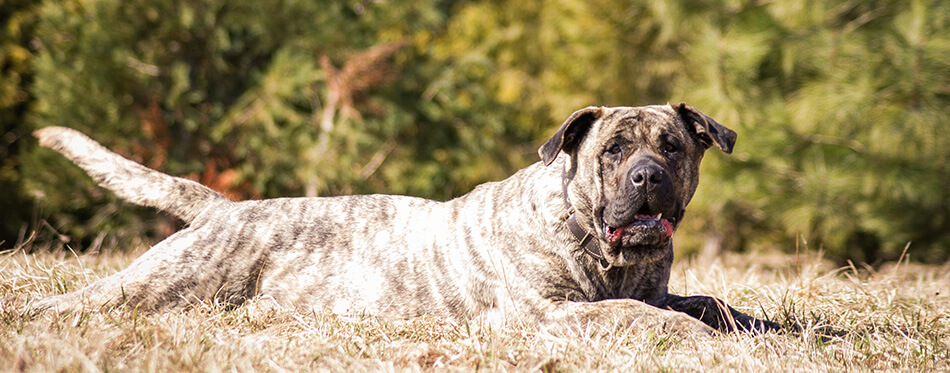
x: 716, y: 313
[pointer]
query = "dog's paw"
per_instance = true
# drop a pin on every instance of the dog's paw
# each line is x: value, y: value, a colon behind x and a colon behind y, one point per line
x: 749, y: 324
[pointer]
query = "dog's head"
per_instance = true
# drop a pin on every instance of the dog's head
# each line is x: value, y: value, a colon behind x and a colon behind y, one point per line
x: 632, y: 171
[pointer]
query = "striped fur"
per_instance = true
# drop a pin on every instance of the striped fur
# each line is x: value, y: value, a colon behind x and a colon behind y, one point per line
x: 501, y: 253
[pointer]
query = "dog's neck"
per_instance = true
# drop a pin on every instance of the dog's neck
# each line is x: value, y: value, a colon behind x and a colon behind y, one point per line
x: 585, y: 238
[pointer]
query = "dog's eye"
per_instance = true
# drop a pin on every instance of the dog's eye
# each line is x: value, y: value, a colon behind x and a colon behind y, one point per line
x: 670, y: 148
x: 614, y: 150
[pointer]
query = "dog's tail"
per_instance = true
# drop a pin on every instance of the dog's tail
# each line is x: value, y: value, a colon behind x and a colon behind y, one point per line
x: 129, y: 180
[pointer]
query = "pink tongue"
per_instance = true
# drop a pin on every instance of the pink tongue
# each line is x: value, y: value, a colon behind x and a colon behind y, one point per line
x: 668, y: 226
x: 615, y: 235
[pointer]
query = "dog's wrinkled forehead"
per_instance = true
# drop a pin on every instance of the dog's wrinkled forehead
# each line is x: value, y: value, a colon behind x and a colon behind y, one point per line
x: 638, y: 121
x: 627, y: 115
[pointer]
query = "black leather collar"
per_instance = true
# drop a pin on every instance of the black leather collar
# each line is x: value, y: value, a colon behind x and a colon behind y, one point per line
x: 587, y: 241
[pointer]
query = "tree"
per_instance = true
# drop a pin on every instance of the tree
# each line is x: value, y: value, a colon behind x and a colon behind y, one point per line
x: 260, y: 100
x: 17, y: 19
x: 840, y: 108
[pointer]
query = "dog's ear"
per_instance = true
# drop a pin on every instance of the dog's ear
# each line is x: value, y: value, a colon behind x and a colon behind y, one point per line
x: 568, y: 137
x: 708, y: 130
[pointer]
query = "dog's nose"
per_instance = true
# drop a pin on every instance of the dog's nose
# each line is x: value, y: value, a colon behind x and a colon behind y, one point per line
x: 646, y: 174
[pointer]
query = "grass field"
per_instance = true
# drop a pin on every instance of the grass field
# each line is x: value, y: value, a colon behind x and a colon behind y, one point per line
x: 896, y: 317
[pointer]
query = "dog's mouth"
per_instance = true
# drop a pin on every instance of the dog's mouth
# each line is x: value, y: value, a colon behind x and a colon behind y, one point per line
x: 648, y: 226
x: 642, y: 223
x: 644, y: 238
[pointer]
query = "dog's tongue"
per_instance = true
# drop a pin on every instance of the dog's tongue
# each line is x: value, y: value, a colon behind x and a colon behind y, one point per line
x: 612, y: 234
x: 668, y: 226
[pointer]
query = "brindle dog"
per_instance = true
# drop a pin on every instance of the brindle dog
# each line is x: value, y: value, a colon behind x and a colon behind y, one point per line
x: 582, y: 236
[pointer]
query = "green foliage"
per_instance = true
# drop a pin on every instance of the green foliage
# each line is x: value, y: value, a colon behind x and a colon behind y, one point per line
x: 841, y: 111
x: 841, y: 106
x: 17, y: 19
x: 262, y: 99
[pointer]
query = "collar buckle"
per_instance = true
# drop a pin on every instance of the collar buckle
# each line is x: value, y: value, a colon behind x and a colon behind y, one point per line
x: 587, y: 242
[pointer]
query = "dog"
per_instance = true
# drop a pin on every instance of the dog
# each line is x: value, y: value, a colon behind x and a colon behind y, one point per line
x: 583, y: 236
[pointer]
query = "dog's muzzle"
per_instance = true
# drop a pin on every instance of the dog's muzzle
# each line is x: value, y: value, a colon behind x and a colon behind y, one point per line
x: 644, y: 209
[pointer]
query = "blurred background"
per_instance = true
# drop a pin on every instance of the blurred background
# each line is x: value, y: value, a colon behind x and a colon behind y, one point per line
x: 841, y: 107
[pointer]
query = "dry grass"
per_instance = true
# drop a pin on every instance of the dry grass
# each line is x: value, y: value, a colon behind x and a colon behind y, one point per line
x: 894, y: 318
